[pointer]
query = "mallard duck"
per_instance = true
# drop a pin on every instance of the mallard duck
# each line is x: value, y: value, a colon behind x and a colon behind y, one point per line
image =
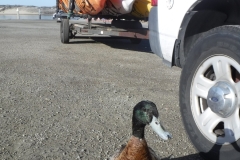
x: 144, y: 113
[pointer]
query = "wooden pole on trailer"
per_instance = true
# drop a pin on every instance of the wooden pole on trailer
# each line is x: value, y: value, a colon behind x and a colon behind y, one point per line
x: 71, y: 8
x: 89, y: 22
x: 57, y: 6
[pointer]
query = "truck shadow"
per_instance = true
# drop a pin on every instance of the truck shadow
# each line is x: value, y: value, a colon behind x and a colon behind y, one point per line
x: 124, y: 44
x: 188, y: 157
x: 214, y: 152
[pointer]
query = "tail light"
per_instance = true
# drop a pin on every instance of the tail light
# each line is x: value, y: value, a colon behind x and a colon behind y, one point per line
x: 154, y: 2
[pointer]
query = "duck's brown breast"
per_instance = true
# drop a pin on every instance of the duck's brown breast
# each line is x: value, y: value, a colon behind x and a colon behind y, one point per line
x: 136, y: 149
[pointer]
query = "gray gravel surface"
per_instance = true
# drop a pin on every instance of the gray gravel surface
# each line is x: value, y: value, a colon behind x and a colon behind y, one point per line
x: 75, y: 101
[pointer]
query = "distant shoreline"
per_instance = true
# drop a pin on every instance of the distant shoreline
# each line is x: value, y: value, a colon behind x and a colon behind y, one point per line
x: 26, y: 10
x: 25, y: 14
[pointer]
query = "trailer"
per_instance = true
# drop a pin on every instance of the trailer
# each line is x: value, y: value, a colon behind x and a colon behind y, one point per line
x: 124, y: 26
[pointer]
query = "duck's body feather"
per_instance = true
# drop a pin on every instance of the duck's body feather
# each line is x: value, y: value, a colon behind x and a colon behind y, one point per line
x: 136, y: 149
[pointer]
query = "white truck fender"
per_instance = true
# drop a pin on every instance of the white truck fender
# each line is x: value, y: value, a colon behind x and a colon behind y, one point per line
x: 170, y: 15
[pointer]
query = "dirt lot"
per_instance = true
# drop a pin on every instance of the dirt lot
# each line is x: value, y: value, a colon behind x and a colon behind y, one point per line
x: 75, y: 101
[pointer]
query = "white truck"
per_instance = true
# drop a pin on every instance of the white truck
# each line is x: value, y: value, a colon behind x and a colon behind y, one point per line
x: 203, y: 38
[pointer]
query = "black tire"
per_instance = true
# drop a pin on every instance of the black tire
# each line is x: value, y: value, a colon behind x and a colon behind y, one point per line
x: 222, y: 42
x: 125, y: 24
x: 135, y: 40
x: 64, y: 31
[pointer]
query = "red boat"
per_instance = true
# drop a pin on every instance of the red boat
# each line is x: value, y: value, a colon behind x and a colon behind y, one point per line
x: 136, y: 8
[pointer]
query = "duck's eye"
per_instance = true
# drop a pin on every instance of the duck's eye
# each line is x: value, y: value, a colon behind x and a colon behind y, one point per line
x: 156, y: 123
x: 144, y: 109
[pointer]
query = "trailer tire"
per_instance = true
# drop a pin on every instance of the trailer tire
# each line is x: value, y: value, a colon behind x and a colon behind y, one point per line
x: 212, y: 68
x: 135, y: 40
x: 64, y: 31
x: 126, y: 24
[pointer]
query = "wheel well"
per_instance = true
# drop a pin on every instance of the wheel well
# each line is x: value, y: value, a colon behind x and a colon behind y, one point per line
x: 205, y: 16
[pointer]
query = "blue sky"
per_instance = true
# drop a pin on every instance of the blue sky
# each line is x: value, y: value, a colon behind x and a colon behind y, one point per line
x: 29, y: 2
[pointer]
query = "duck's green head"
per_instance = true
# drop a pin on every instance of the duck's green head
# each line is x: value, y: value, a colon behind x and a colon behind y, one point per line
x: 146, y: 113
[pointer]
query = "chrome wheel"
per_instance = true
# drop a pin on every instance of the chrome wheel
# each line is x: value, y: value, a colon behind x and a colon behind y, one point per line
x: 215, y: 93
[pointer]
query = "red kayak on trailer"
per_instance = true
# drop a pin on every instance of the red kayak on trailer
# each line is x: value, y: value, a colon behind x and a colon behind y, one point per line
x: 135, y: 8
x: 91, y: 7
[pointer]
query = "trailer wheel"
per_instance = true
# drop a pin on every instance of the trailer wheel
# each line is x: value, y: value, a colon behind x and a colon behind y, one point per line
x: 135, y: 40
x: 125, y: 24
x: 64, y: 31
x: 209, y: 94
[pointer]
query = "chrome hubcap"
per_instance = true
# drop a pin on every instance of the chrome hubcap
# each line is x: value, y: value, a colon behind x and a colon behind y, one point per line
x: 221, y: 99
x: 215, y: 99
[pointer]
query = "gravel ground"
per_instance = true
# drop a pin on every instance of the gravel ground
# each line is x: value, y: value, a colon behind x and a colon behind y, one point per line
x: 75, y: 101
